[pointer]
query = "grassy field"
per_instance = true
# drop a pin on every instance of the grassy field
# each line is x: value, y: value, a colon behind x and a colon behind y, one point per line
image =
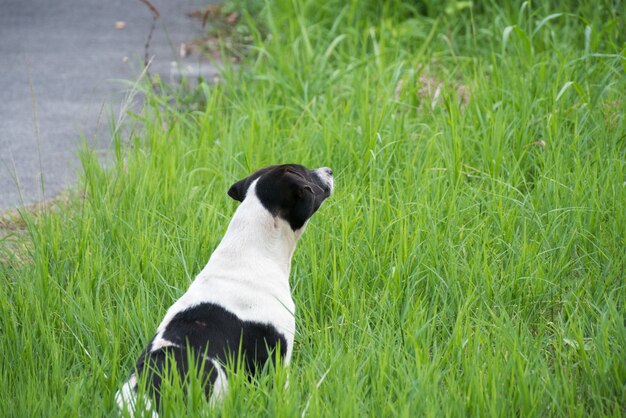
x: 471, y: 262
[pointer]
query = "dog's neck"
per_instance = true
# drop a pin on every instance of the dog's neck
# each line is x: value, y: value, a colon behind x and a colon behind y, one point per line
x: 254, y: 232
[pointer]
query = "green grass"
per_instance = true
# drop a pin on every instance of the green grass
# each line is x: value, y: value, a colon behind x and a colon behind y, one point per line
x: 471, y: 262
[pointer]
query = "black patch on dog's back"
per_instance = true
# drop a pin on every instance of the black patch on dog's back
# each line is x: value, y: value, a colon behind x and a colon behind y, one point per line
x: 213, y: 330
x: 206, y: 331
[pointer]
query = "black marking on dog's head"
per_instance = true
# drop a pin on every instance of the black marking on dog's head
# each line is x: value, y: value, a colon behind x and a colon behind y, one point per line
x: 289, y: 191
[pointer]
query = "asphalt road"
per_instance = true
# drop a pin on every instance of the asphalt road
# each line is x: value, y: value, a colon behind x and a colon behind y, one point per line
x: 61, y: 63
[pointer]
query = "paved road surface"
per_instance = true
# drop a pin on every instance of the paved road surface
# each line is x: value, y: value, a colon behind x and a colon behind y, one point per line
x: 63, y: 58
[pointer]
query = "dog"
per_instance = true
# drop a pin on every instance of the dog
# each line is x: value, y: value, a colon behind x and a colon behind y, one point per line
x: 239, y: 307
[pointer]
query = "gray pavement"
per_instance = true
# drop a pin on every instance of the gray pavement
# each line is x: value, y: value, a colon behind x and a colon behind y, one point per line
x: 61, y: 63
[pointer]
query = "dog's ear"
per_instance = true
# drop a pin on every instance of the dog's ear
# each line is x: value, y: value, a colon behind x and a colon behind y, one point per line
x: 303, y: 207
x: 298, y: 184
x: 303, y: 189
x: 238, y: 190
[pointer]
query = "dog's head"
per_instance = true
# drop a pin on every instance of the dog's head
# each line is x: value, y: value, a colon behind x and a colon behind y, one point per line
x: 290, y: 191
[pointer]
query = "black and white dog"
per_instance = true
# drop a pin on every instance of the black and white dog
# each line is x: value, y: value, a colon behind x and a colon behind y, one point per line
x: 240, y: 305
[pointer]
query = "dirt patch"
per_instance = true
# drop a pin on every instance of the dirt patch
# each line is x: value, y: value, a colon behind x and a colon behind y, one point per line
x: 612, y: 113
x: 15, y: 240
x: 228, y: 37
x: 428, y: 89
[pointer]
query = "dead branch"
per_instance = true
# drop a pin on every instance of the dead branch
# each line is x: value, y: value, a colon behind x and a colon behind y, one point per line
x: 155, y: 16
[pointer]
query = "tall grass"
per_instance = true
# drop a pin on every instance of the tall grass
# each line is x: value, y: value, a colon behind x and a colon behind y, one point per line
x: 471, y: 261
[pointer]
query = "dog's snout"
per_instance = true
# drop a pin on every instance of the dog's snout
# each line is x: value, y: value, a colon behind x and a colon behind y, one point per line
x: 325, y: 174
x: 327, y: 170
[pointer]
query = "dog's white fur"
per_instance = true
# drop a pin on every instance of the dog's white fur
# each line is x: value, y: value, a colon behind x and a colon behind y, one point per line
x: 248, y: 275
